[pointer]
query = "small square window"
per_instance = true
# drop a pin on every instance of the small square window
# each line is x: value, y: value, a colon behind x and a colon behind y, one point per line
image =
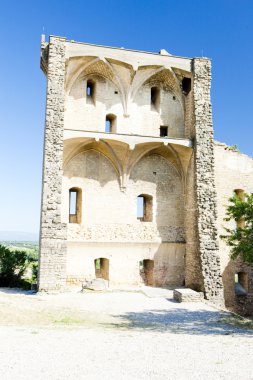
x: 163, y: 131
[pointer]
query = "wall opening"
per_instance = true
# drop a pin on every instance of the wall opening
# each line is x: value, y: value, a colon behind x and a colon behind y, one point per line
x: 147, y: 271
x: 155, y: 98
x: 75, y: 205
x: 102, y: 268
x: 90, y: 91
x: 145, y: 208
x: 186, y: 85
x: 163, y: 131
x: 110, y: 123
x: 241, y: 195
x: 241, y: 283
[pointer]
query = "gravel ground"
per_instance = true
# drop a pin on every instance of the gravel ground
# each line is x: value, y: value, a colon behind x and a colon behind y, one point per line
x: 118, y: 335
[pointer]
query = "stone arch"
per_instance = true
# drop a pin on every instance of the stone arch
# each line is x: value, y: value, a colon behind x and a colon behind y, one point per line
x: 100, y: 68
x: 167, y: 152
x: 164, y: 78
x: 91, y: 164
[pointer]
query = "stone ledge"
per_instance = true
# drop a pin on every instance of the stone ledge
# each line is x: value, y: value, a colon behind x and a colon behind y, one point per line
x: 187, y: 295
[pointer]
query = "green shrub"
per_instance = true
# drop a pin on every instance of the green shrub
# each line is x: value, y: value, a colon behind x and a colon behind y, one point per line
x: 13, y: 265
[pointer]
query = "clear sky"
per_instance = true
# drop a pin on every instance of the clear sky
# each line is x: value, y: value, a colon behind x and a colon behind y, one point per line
x: 219, y: 29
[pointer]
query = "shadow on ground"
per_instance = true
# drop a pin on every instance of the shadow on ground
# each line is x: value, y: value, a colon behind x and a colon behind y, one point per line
x: 17, y: 291
x: 182, y: 321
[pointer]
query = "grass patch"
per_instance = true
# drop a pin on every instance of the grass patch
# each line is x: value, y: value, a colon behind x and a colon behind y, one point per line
x: 237, y: 321
x: 67, y: 320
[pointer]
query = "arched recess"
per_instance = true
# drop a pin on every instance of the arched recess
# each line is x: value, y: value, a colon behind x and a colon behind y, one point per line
x: 77, y: 165
x: 168, y: 152
x: 77, y: 145
x: 163, y: 77
x: 100, y: 68
x: 155, y: 175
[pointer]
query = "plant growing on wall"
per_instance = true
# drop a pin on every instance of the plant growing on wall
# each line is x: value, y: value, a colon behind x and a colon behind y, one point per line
x: 240, y: 239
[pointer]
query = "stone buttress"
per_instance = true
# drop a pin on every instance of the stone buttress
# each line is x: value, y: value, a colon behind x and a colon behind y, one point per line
x: 53, y: 233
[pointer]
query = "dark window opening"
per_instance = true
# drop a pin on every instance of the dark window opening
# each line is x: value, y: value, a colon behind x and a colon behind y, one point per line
x: 146, y: 268
x: 145, y: 208
x: 163, y: 131
x: 102, y: 268
x: 186, y: 85
x: 90, y: 91
x: 241, y: 283
x: 155, y: 98
x: 75, y: 205
x: 110, y: 123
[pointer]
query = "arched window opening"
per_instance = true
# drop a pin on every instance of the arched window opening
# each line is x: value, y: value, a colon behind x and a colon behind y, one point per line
x: 75, y: 205
x: 155, y: 98
x: 110, y: 123
x: 146, y: 268
x: 90, y: 91
x: 241, y: 195
x: 186, y: 85
x: 102, y: 268
x: 241, y: 283
x: 145, y: 208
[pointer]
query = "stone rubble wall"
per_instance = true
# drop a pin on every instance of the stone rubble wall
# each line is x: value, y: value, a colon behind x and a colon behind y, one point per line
x: 205, y: 182
x: 53, y: 233
x: 126, y: 233
x: 233, y: 170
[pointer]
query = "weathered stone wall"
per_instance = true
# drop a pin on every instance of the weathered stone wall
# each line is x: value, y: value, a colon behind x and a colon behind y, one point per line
x: 109, y: 217
x: 205, y: 181
x: 193, y: 268
x: 233, y: 171
x: 124, y: 262
x: 53, y: 233
x: 142, y: 119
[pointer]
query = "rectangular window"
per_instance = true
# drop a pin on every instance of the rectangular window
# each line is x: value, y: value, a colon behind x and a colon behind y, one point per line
x: 75, y: 205
x: 163, y: 131
x: 155, y: 98
x: 90, y: 92
x: 73, y: 202
x: 140, y: 207
x: 241, y: 283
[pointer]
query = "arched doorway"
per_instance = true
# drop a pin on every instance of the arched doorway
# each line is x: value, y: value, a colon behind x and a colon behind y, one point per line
x: 102, y: 268
x: 147, y: 272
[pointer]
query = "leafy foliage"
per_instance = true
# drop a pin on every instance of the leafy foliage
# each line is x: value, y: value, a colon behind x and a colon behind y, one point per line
x: 240, y: 239
x: 234, y: 148
x: 13, y: 266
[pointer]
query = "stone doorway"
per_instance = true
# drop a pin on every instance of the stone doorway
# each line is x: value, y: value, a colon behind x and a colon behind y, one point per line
x: 102, y: 268
x: 147, y: 272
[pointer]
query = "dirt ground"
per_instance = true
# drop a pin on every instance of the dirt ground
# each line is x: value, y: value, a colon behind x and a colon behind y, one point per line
x: 119, y: 335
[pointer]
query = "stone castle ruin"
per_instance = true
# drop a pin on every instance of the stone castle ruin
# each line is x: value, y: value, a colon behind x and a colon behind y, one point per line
x: 134, y: 187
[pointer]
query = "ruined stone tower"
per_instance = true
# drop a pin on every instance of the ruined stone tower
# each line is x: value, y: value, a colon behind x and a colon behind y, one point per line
x: 128, y: 176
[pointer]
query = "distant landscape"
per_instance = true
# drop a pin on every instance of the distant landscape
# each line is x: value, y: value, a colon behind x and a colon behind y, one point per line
x: 24, y: 241
x: 19, y: 236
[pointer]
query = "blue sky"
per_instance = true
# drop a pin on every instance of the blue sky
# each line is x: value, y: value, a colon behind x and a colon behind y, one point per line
x: 221, y: 30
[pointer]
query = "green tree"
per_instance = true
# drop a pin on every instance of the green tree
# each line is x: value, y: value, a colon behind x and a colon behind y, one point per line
x: 240, y: 240
x: 13, y: 265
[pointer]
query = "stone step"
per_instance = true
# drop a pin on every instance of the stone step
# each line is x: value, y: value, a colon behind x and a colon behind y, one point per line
x: 187, y: 295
